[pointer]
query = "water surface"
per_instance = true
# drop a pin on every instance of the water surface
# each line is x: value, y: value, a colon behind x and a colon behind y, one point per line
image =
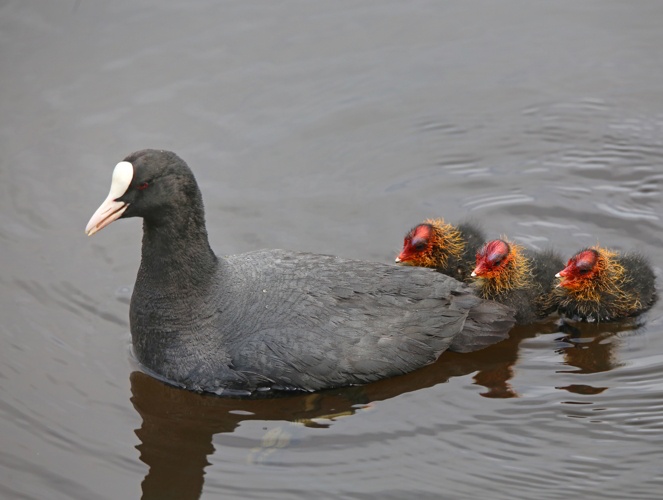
x: 330, y: 127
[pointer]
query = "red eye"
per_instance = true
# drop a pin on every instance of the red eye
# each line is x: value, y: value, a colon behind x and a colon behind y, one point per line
x: 142, y: 186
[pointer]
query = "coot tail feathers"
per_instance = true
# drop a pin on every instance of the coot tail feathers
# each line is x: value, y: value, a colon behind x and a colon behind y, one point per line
x: 487, y: 323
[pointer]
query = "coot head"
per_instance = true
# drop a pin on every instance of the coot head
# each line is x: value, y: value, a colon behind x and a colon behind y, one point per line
x: 152, y: 184
x: 431, y: 244
x: 492, y: 259
x: 417, y: 245
x: 583, y: 267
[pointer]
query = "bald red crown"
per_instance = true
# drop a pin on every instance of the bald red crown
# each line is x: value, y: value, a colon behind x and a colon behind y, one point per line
x: 416, y: 242
x: 581, y: 266
x: 491, y: 258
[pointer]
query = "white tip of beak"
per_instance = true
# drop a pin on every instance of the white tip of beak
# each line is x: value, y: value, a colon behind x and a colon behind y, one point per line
x: 111, y: 210
x: 474, y: 275
x: 397, y: 260
x: 558, y: 275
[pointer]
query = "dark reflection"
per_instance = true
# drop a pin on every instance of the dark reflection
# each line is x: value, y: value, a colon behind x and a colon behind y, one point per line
x: 586, y: 390
x: 496, y: 370
x: 178, y: 425
x: 592, y: 348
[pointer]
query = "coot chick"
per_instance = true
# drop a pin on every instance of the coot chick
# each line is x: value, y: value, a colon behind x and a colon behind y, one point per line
x: 444, y: 247
x: 599, y: 284
x: 274, y: 318
x: 520, y: 278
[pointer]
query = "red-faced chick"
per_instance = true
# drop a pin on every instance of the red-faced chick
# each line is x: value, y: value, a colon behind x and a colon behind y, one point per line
x: 519, y: 278
x: 599, y: 284
x: 447, y: 248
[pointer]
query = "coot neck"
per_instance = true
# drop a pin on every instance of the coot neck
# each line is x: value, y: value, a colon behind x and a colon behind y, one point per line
x: 176, y: 250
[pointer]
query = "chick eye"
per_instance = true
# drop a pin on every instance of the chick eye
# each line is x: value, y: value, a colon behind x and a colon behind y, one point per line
x: 498, y: 262
x: 419, y: 245
x: 142, y: 186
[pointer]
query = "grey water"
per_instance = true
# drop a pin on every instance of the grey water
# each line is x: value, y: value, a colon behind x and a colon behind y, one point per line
x: 330, y: 127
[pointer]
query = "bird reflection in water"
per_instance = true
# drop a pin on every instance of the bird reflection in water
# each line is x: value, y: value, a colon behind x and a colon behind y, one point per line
x: 495, y: 376
x: 592, y: 348
x: 179, y: 426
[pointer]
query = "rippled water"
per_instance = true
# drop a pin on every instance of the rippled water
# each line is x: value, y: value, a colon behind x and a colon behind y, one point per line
x: 330, y: 127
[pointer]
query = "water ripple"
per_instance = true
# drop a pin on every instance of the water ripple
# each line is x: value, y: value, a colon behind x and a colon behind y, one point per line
x: 628, y: 213
x: 491, y: 201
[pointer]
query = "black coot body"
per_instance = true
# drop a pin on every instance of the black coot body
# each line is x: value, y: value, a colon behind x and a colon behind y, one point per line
x: 274, y: 318
x: 532, y: 302
x: 474, y: 239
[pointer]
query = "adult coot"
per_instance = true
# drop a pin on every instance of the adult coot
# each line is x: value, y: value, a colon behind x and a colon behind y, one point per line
x: 274, y: 318
x: 523, y: 279
x: 599, y: 284
x: 444, y: 247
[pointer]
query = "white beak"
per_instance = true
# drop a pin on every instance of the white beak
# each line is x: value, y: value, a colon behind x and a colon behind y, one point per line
x: 111, y: 209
